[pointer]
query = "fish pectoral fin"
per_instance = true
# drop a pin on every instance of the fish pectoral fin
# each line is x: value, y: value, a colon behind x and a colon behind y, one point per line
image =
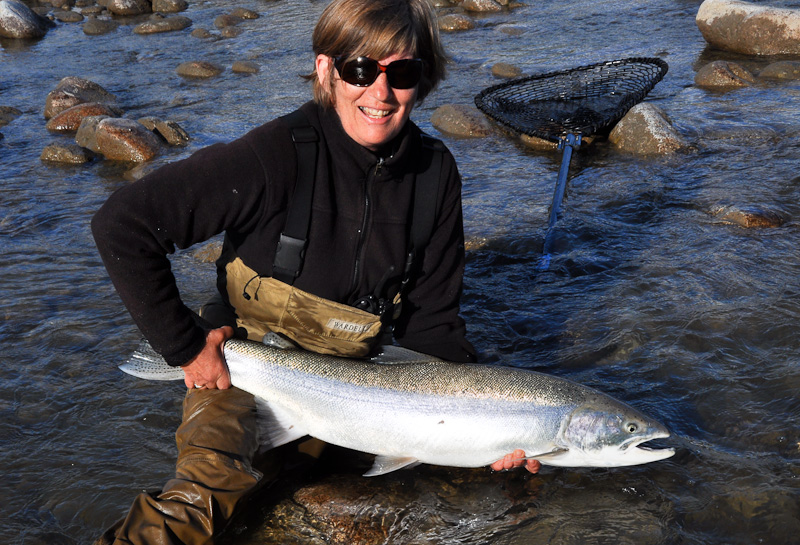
x: 275, y: 428
x: 148, y: 364
x: 387, y: 464
x: 550, y: 454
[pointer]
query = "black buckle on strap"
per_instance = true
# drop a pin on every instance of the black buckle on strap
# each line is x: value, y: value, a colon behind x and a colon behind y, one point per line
x: 289, y: 256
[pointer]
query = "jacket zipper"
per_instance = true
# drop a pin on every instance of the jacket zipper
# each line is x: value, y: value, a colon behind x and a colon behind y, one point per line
x: 363, y: 231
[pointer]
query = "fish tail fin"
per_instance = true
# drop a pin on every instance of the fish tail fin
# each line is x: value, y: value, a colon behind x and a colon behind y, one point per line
x: 148, y: 364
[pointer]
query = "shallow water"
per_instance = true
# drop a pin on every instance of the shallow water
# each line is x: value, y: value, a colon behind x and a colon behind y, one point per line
x: 649, y: 297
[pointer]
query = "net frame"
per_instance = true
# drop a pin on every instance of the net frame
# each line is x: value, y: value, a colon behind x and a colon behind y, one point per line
x: 585, y: 101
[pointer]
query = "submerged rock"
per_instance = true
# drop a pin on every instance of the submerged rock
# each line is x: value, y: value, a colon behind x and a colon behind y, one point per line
x: 482, y: 6
x: 505, y: 70
x: 461, y: 120
x: 71, y: 91
x: 158, y: 23
x: 646, y: 130
x: 455, y: 21
x: 170, y: 6
x: 172, y: 133
x: 70, y: 119
x: 749, y: 216
x: 126, y: 140
x: 8, y: 114
x: 98, y: 27
x: 72, y: 154
x: 723, y: 74
x: 198, y: 69
x: 19, y: 21
x: 752, y: 29
x: 785, y: 70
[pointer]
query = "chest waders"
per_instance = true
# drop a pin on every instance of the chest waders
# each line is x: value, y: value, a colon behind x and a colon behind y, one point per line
x: 274, y: 304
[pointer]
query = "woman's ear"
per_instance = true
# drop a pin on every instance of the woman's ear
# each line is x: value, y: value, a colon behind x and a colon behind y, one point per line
x: 323, y: 65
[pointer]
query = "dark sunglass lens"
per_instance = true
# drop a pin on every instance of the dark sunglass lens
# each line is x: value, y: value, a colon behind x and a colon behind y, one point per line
x: 404, y: 74
x: 362, y: 71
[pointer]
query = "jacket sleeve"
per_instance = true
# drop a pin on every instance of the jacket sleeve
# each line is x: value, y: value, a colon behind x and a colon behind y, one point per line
x: 178, y: 205
x: 430, y: 322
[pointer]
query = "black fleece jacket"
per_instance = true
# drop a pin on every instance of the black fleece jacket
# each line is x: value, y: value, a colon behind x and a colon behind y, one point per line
x: 360, y: 228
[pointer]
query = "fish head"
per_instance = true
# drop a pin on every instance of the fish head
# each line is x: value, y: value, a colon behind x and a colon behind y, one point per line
x: 603, y: 432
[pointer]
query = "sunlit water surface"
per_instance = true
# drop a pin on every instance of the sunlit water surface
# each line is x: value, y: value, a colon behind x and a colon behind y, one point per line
x: 649, y: 297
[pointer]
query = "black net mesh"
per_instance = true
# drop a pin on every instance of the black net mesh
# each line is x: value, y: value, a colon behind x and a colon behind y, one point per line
x: 583, y: 101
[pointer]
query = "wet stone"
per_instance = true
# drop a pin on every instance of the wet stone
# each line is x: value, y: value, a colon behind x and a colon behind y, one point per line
x: 72, y: 154
x: 245, y: 67
x: 159, y: 23
x: 723, y: 74
x: 208, y: 253
x: 536, y: 143
x: 198, y: 69
x: 172, y: 133
x: 505, y: 70
x: 749, y: 28
x: 482, y: 6
x: 126, y: 140
x: 244, y: 13
x: 129, y: 7
x: 230, y: 32
x: 85, y: 137
x: 92, y: 10
x: 227, y: 20
x: 19, y: 21
x: 202, y: 33
x: 749, y: 216
x: 70, y: 119
x: 8, y: 114
x: 170, y: 6
x: 784, y: 70
x: 98, y: 27
x: 646, y: 130
x: 71, y: 91
x: 453, y: 22
x: 461, y: 120
x: 68, y: 16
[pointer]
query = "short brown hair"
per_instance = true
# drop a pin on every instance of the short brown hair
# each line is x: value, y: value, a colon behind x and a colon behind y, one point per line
x: 378, y: 29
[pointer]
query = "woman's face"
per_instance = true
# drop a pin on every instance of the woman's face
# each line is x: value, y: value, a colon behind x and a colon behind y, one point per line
x: 373, y: 115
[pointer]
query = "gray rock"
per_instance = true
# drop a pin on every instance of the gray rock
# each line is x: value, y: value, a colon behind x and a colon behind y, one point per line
x: 646, y: 130
x: 8, y: 114
x: 129, y: 7
x: 170, y: 6
x: 752, y: 29
x: 86, y: 136
x: 159, y: 23
x: 198, y: 69
x: 461, y: 120
x: 74, y: 90
x: 227, y: 20
x: 98, y: 27
x: 785, y: 70
x: 202, y: 33
x: 230, y: 32
x: 20, y: 22
x: 170, y: 131
x: 722, y: 75
x: 70, y: 119
x: 453, y: 22
x: 245, y: 67
x: 71, y: 154
x: 126, y: 140
x: 67, y: 16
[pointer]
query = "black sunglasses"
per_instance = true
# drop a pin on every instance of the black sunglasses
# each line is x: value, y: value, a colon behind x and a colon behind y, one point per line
x: 363, y: 71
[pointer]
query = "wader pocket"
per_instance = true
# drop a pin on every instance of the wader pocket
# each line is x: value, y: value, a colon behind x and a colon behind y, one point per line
x: 314, y: 323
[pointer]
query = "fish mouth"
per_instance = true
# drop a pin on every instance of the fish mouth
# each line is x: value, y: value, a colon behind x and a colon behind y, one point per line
x: 637, y: 452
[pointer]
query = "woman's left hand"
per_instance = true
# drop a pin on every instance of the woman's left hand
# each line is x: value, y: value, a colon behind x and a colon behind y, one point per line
x: 516, y: 459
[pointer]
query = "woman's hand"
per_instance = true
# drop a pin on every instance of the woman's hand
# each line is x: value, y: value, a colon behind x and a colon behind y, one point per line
x: 208, y: 368
x: 516, y: 459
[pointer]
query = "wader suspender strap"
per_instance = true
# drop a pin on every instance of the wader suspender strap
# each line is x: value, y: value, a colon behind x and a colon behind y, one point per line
x: 292, y: 245
x: 426, y: 195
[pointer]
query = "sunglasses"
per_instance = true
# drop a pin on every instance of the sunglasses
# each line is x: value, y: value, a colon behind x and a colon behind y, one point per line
x: 363, y: 71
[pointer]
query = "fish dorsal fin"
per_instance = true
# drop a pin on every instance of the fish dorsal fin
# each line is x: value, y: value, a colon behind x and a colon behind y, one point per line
x: 387, y: 464
x: 148, y: 364
x: 275, y: 427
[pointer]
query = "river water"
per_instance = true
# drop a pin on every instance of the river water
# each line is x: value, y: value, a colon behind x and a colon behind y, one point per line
x: 649, y: 297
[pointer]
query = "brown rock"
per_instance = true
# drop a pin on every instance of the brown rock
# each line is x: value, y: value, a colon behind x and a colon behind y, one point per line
x: 505, y: 70
x: 169, y: 6
x: 752, y: 29
x: 483, y: 6
x: 785, y: 70
x: 208, y: 253
x: 170, y: 131
x: 87, y: 131
x: 70, y: 119
x: 158, y: 23
x: 8, y: 114
x: 129, y: 7
x: 66, y: 153
x: 749, y: 217
x: 461, y: 120
x: 227, y: 20
x: 198, y: 69
x: 71, y: 91
x: 98, y: 27
x: 722, y: 75
x: 68, y: 16
x: 244, y: 13
x: 646, y: 130
x: 245, y: 67
x: 455, y: 21
x: 126, y: 140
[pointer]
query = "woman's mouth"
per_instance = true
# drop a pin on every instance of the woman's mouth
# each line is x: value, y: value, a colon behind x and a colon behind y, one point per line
x: 374, y: 113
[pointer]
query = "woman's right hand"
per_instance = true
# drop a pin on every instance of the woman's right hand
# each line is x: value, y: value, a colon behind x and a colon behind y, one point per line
x: 208, y: 368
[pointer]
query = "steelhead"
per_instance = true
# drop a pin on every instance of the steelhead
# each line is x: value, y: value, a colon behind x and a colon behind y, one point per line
x: 409, y: 408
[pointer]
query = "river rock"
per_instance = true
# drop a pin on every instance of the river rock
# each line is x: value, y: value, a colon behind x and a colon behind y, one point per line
x: 172, y: 133
x: 646, y: 130
x: 455, y: 21
x: 68, y: 16
x: 71, y: 91
x: 785, y: 70
x: 8, y: 114
x: 72, y: 154
x: 97, y: 27
x: 159, y: 23
x: 505, y: 70
x: 723, y: 75
x: 70, y: 119
x: 227, y: 20
x: 749, y: 216
x: 20, y: 22
x: 752, y: 29
x: 230, y: 31
x: 198, y: 69
x: 87, y: 132
x: 482, y: 6
x: 169, y: 6
x: 126, y: 140
x: 245, y: 67
x: 461, y: 120
x: 202, y: 33
x: 538, y: 144
x: 244, y: 13
x: 129, y: 7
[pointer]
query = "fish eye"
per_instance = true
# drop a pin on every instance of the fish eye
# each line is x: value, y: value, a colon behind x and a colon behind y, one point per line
x: 632, y: 427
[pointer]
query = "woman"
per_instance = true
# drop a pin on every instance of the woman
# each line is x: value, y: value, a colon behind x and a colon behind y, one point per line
x: 359, y: 259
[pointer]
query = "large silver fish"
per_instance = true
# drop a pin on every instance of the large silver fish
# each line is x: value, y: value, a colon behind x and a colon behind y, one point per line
x: 408, y: 408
